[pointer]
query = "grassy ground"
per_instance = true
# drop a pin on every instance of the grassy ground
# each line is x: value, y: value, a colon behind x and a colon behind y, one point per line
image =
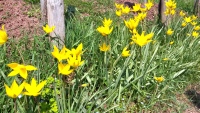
x: 106, y: 82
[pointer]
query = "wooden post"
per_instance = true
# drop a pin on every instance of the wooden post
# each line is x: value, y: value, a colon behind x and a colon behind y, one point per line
x: 161, y: 11
x: 196, y: 7
x: 43, y: 5
x: 55, y: 14
x: 145, y: 1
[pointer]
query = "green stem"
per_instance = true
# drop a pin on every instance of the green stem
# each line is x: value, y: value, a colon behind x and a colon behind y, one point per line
x: 15, y: 101
x: 123, y: 69
x: 116, y: 61
x: 63, y: 96
x: 106, y: 68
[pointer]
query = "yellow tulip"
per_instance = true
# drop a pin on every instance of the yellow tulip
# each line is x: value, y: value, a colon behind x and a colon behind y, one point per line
x: 196, y: 28
x: 104, y: 30
x: 159, y: 79
x: 3, y: 36
x: 187, y: 19
x: 74, y: 61
x: 169, y: 32
x: 118, y: 6
x: 136, y: 7
x: 118, y: 12
x: 125, y: 52
x: 171, y: 43
x: 48, y: 29
x: 33, y: 89
x: 60, y: 55
x: 142, y: 39
x: 64, y: 69
x: 104, y: 47
x: 125, y: 10
x: 195, y: 34
x: 78, y: 50
x: 20, y: 69
x: 149, y: 5
x: 14, y: 91
x: 182, y: 13
x: 107, y: 22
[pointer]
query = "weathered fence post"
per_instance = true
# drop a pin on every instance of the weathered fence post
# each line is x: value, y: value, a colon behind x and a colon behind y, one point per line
x: 161, y: 11
x: 196, y: 7
x: 55, y: 17
x: 43, y: 5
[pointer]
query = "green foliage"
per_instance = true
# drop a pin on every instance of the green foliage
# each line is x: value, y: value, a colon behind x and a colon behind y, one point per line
x: 48, y: 101
x: 32, y: 1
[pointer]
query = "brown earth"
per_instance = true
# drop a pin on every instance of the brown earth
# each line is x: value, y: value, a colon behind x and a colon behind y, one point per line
x: 15, y: 15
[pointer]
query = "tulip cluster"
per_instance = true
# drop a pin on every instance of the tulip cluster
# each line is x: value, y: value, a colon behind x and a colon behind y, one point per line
x: 191, y: 21
x: 121, y: 9
x: 105, y: 30
x: 170, y: 7
x: 72, y: 57
x: 132, y: 24
x: 32, y: 89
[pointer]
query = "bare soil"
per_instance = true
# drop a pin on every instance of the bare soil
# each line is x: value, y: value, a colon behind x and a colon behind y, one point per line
x: 14, y: 15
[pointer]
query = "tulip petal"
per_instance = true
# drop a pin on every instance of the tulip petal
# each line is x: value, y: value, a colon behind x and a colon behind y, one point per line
x: 13, y: 73
x: 29, y: 67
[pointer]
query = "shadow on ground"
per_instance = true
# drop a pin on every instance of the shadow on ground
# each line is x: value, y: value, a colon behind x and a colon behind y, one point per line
x: 194, y: 97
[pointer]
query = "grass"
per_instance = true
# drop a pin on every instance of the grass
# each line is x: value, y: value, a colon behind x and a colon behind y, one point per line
x: 114, y: 83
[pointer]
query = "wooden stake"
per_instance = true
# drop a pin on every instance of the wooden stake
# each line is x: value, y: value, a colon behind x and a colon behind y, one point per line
x: 43, y: 5
x: 55, y: 14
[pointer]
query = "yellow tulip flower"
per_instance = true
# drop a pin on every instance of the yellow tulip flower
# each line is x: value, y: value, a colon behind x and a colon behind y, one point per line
x: 159, y: 79
x: 78, y: 50
x: 118, y: 12
x: 182, y: 13
x: 104, y: 30
x: 183, y: 24
x: 132, y: 23
x: 118, y: 6
x: 149, y: 5
x: 33, y: 89
x: 196, y: 28
x: 165, y: 59
x: 20, y: 69
x: 170, y: 4
x: 193, y: 17
x: 60, y: 55
x: 193, y: 23
x: 169, y: 32
x: 107, y: 22
x: 125, y: 10
x: 195, y: 34
x: 171, y: 43
x: 187, y: 19
x: 74, y: 61
x: 104, y: 47
x: 14, y: 91
x: 142, y: 39
x: 125, y: 52
x: 136, y: 7
x: 64, y: 69
x: 3, y: 36
x: 48, y: 29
